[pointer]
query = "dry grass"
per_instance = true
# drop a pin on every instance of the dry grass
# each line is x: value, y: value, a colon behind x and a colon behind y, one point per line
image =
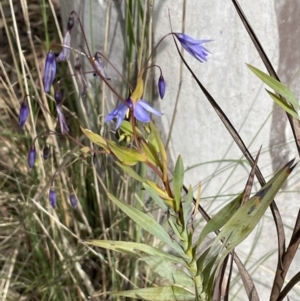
x: 42, y: 256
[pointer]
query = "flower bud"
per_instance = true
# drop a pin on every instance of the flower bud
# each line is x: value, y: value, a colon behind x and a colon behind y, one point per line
x: 57, y: 97
x: 23, y: 113
x: 70, y: 23
x: 46, y: 152
x: 52, y: 197
x: 50, y: 71
x: 31, y: 157
x: 161, y: 87
x: 73, y: 200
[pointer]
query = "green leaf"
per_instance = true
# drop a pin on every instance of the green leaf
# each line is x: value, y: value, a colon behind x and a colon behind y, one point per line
x: 284, y: 105
x: 136, y: 249
x: 177, y: 228
x: 147, y: 223
x: 220, y: 219
x: 155, y: 197
x: 130, y: 172
x: 158, y: 293
x: 151, y: 154
x: 126, y: 155
x: 187, y: 206
x: 168, y: 271
x: 242, y: 223
x: 95, y: 138
x: 178, y: 182
x: 162, y: 193
x: 126, y: 127
x: 162, y: 150
x: 277, y: 86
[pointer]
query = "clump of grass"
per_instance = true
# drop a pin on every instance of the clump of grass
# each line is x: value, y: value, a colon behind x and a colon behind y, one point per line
x: 42, y: 255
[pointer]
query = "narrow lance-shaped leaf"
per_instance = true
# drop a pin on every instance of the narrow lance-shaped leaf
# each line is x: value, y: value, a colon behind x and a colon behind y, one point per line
x: 95, y: 138
x: 147, y: 223
x: 162, y: 150
x: 126, y: 127
x: 187, y: 206
x: 277, y: 86
x: 220, y: 219
x: 131, y: 172
x: 138, y: 91
x: 161, y: 192
x: 126, y: 155
x: 178, y: 181
x: 151, y: 154
x: 169, y: 271
x: 155, y: 197
x: 136, y: 249
x: 158, y: 293
x: 242, y: 223
x: 284, y: 105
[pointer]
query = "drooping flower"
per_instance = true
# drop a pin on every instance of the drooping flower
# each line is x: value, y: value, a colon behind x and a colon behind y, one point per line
x: 139, y: 112
x: 193, y: 46
x: 31, y: 156
x: 161, y: 86
x: 100, y: 66
x: 70, y: 23
x: 50, y: 71
x: 57, y: 97
x: 52, y: 197
x: 65, y: 53
x: 23, y: 113
x: 73, y: 200
x: 46, y: 152
x: 61, y: 118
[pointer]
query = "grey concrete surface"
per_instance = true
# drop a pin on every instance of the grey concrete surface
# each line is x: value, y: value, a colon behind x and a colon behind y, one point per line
x: 198, y: 134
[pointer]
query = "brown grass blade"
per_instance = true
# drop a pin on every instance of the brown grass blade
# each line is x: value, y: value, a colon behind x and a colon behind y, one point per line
x: 250, y: 181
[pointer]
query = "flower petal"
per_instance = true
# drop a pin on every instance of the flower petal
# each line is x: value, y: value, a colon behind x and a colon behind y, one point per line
x: 50, y: 71
x: 147, y: 107
x: 62, y: 121
x: 193, y: 47
x: 140, y: 114
x: 119, y: 113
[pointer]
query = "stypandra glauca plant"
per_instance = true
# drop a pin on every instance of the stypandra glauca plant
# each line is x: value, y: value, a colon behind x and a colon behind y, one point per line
x: 187, y: 270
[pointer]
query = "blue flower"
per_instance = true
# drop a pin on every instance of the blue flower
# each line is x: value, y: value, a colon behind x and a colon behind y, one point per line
x: 31, y: 157
x: 23, y: 113
x: 50, y: 71
x: 46, y: 152
x: 73, y: 200
x: 139, y: 112
x: 193, y: 46
x: 52, y: 197
x: 70, y: 23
